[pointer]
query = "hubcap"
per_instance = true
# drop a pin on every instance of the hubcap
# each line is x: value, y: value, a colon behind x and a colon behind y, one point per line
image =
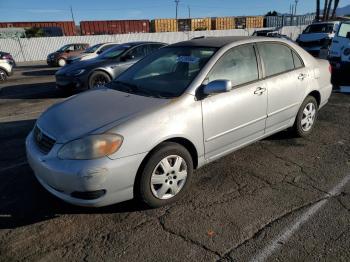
x: 169, y: 177
x: 308, y: 118
x: 99, y: 80
x: 61, y: 62
x: 2, y: 76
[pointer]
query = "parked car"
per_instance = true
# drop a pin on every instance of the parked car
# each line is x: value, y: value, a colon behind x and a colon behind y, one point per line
x: 104, y: 68
x: 59, y: 57
x: 180, y: 108
x: 317, y: 35
x: 91, y: 52
x: 7, y: 63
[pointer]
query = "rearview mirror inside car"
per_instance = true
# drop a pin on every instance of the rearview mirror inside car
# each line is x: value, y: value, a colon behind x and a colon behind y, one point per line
x: 217, y: 86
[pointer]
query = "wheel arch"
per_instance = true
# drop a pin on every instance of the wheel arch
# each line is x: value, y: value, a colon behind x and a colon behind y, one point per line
x: 100, y: 70
x: 179, y: 140
x: 317, y: 95
x: 4, y: 69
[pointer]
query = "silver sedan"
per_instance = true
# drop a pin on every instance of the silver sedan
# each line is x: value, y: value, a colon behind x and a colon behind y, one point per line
x: 174, y: 111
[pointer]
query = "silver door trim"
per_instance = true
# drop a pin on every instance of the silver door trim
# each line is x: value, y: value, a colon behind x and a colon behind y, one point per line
x: 283, y: 109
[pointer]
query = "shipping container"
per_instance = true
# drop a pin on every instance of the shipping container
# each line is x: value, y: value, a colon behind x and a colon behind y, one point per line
x: 67, y: 27
x: 114, y: 27
x: 200, y: 24
x: 164, y: 25
x: 222, y: 23
x: 254, y: 22
x: 288, y: 20
x: 240, y: 22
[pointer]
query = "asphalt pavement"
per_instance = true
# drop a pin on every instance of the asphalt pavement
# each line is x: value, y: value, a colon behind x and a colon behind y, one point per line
x: 280, y: 199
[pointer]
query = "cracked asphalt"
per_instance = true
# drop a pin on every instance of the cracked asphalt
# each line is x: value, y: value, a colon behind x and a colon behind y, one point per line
x: 236, y: 208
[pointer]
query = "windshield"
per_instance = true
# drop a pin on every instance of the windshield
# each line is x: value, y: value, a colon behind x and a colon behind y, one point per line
x: 92, y: 49
x: 319, y: 28
x: 166, y: 73
x: 115, y: 51
x: 64, y: 48
x: 344, y: 30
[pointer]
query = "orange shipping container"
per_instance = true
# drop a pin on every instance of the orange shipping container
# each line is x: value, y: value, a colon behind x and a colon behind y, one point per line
x: 222, y: 23
x: 164, y: 25
x: 199, y: 24
x: 254, y: 21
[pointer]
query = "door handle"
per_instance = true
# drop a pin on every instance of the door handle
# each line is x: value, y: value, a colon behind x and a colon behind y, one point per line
x: 259, y: 91
x: 302, y: 76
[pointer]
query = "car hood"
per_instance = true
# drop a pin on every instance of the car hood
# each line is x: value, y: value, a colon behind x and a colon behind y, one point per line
x: 313, y: 37
x: 85, y: 113
x: 82, y: 64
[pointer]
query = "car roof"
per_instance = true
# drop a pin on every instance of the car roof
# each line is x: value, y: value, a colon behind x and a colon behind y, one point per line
x: 141, y: 42
x: 216, y: 41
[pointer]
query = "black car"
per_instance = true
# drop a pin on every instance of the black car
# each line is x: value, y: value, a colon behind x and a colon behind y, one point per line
x: 104, y: 68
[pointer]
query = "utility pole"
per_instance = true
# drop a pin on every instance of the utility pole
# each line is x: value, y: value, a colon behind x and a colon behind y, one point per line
x: 295, y: 7
x: 71, y: 12
x: 189, y: 12
x: 177, y: 6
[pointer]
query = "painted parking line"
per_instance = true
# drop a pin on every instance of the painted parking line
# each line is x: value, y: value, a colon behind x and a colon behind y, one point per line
x: 289, y: 231
x: 13, y: 166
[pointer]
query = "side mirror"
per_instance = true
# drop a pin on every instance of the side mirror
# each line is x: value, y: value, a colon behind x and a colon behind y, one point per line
x: 217, y: 86
x: 348, y: 35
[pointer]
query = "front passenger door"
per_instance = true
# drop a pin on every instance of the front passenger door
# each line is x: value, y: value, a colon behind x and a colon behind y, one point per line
x: 237, y: 117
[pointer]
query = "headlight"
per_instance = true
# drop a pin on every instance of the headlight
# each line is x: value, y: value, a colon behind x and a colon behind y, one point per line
x: 91, y: 147
x: 347, y: 51
x: 77, y: 72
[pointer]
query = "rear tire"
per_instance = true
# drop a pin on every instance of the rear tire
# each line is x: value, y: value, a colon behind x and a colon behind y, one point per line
x: 160, y: 184
x: 98, y: 78
x: 306, y: 117
x: 3, y: 76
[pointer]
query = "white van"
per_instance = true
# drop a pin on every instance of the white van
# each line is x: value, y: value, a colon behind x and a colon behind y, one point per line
x: 340, y: 49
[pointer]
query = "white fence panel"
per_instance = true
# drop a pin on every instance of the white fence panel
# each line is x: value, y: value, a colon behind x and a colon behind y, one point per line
x: 34, y: 49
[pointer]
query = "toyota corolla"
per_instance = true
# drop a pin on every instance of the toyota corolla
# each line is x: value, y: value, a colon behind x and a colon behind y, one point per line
x: 187, y: 104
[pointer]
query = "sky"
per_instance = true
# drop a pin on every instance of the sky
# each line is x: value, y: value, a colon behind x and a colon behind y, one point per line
x: 59, y: 10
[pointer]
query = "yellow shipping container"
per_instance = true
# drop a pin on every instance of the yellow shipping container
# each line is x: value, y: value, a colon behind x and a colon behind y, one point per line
x: 164, y: 25
x: 199, y: 24
x: 254, y: 22
x: 223, y: 23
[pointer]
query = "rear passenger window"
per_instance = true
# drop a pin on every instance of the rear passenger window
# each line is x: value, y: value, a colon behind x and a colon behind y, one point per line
x: 277, y: 58
x: 238, y: 65
x: 297, y: 61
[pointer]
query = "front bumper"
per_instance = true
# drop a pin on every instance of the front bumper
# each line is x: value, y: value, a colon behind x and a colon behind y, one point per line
x: 65, y: 82
x: 63, y: 178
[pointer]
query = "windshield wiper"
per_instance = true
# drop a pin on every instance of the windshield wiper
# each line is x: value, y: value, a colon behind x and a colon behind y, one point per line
x: 132, y: 88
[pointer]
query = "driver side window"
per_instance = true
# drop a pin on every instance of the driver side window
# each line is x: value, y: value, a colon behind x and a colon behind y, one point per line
x: 138, y: 52
x: 238, y: 65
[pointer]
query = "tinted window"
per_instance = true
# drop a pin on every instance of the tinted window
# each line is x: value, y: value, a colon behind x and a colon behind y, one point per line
x: 277, y: 58
x: 238, y: 65
x: 139, y: 51
x: 104, y: 48
x: 344, y: 30
x: 297, y: 61
x: 319, y: 28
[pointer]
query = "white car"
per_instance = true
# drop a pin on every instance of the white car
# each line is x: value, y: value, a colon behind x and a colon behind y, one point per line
x: 6, y: 66
x: 91, y: 52
x: 317, y: 35
x: 177, y: 109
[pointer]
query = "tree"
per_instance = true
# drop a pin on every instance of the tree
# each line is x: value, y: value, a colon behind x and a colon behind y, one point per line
x: 325, y: 10
x: 336, y: 3
x: 330, y: 2
x: 318, y: 6
x: 272, y: 13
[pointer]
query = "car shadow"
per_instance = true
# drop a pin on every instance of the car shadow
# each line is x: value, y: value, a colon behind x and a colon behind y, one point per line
x: 33, y: 91
x: 23, y: 201
x: 49, y: 72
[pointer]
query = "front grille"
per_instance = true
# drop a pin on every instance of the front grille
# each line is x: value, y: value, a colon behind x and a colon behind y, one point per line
x: 44, y: 142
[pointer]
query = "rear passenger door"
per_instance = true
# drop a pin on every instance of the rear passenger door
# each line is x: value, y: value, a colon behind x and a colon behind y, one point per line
x: 286, y: 79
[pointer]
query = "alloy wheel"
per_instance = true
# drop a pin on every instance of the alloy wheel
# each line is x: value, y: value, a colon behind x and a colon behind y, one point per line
x: 308, y: 118
x: 2, y: 76
x: 169, y: 177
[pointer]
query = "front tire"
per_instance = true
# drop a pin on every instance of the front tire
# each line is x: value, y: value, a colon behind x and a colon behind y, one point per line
x: 98, y: 78
x: 3, y: 76
x: 306, y: 117
x: 166, y: 175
